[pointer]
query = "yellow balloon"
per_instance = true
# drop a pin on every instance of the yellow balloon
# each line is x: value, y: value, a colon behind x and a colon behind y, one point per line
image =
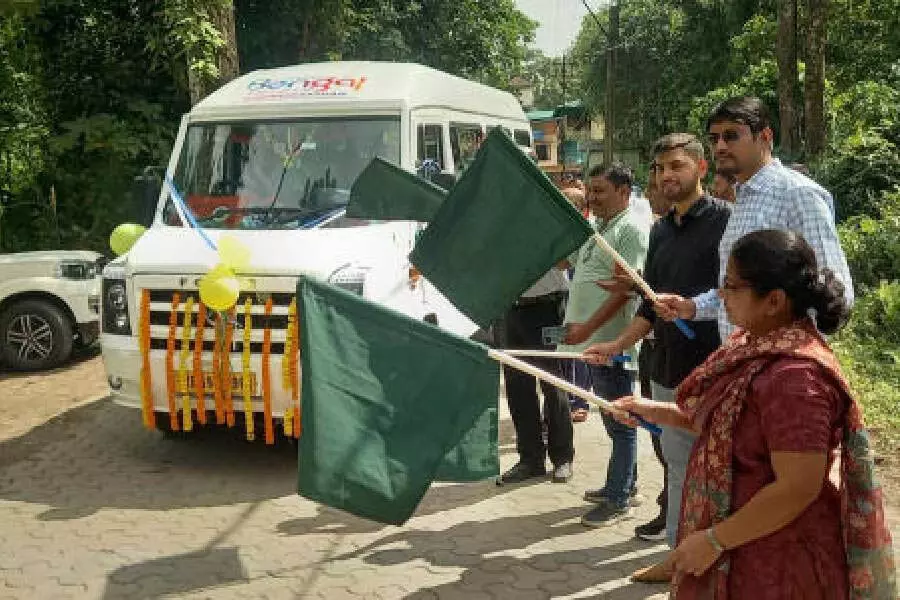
x: 219, y: 271
x: 233, y: 253
x: 219, y: 291
x: 124, y: 236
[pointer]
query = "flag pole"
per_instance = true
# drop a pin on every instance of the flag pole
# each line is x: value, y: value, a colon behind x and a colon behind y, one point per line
x: 544, y: 354
x: 680, y: 323
x: 557, y: 354
x: 605, y: 405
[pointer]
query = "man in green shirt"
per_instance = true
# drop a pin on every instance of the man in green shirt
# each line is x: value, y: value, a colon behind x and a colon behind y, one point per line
x: 595, y: 315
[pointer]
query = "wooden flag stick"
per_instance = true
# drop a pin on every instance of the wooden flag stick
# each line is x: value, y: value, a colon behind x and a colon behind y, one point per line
x: 544, y: 354
x: 684, y: 327
x: 619, y: 358
x: 564, y: 385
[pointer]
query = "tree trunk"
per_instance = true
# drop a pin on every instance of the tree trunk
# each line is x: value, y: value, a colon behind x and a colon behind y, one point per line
x: 814, y: 81
x: 788, y: 77
x: 221, y: 13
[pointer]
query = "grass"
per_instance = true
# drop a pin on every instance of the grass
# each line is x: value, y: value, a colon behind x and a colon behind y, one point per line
x: 873, y: 370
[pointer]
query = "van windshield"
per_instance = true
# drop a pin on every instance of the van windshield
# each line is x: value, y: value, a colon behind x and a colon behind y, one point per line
x: 278, y: 174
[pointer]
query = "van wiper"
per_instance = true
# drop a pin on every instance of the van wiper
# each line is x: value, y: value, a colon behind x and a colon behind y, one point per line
x: 288, y: 161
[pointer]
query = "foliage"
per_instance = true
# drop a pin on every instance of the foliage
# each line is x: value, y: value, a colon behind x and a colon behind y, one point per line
x: 872, y: 245
x: 545, y: 74
x: 484, y: 41
x: 863, y: 158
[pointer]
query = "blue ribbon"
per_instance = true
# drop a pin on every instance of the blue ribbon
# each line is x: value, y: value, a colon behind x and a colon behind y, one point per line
x: 685, y: 329
x: 179, y: 200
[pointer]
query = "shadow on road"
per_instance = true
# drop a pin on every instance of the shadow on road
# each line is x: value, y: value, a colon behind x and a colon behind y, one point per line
x: 100, y: 456
x: 177, y: 574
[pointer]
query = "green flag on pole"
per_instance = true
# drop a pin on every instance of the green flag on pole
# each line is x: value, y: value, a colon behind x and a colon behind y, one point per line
x: 386, y: 192
x: 388, y: 403
x: 502, y: 227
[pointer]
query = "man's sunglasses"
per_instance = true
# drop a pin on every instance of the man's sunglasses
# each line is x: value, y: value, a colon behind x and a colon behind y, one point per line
x: 729, y: 136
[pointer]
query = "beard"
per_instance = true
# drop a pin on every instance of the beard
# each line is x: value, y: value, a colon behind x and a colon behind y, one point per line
x: 675, y: 194
x: 728, y: 167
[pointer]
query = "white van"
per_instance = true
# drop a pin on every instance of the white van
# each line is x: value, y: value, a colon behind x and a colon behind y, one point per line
x: 269, y: 159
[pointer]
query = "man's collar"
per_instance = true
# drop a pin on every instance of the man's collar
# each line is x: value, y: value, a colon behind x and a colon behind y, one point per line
x: 756, y: 181
x: 696, y: 208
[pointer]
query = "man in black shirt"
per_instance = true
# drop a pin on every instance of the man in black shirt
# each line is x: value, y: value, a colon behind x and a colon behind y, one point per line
x: 683, y: 255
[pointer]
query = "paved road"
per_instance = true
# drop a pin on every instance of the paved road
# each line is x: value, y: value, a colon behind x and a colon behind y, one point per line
x: 93, y: 506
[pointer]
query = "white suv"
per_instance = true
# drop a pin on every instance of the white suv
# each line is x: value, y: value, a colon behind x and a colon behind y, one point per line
x: 49, y: 301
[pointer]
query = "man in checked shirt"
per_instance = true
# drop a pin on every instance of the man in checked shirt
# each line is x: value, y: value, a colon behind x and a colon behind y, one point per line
x: 769, y: 196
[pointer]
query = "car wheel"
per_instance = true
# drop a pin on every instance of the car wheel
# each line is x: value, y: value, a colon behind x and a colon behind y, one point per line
x: 35, y: 335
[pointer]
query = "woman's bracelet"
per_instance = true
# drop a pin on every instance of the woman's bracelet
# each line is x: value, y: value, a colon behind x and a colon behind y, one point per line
x: 711, y: 537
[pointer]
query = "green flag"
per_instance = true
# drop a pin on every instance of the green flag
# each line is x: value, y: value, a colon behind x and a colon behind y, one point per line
x: 388, y: 402
x: 502, y: 227
x: 386, y: 192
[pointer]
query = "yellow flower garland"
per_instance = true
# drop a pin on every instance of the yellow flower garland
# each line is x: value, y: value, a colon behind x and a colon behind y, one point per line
x: 146, y: 375
x: 184, y: 357
x: 286, y: 368
x: 296, y: 390
x: 267, y: 376
x: 246, y: 373
x: 199, y: 383
x: 226, y: 369
x: 170, y: 362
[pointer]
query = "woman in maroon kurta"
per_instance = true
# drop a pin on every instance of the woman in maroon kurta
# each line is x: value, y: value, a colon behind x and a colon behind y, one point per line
x: 760, y: 517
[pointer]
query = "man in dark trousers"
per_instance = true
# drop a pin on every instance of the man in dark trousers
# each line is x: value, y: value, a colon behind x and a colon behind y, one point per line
x: 540, y: 306
x: 682, y: 258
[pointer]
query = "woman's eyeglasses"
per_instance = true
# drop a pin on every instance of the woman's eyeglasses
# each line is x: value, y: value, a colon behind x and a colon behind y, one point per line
x: 729, y: 136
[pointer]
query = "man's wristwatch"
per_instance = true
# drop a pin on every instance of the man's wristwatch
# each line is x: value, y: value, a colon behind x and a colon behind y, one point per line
x: 711, y: 537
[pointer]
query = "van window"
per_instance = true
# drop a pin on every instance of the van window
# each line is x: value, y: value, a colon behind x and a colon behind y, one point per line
x: 464, y: 142
x: 277, y: 174
x: 431, y: 145
x: 523, y: 137
x: 542, y: 151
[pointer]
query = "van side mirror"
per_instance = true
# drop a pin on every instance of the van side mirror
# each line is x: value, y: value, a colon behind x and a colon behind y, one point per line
x: 145, y: 194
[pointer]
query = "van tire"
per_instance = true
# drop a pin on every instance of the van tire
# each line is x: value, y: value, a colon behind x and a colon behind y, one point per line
x: 35, y: 335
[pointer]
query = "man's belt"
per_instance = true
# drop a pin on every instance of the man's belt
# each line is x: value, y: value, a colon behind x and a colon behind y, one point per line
x: 552, y: 297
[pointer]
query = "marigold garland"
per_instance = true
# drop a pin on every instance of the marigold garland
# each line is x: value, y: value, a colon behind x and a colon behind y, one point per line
x: 286, y: 368
x: 226, y: 368
x: 245, y: 370
x: 218, y: 349
x: 296, y: 386
x: 266, y: 375
x: 184, y: 389
x: 199, y: 382
x: 170, y: 362
x: 146, y: 375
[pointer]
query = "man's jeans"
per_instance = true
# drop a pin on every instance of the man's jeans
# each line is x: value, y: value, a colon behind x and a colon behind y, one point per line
x: 610, y: 383
x: 677, y: 444
x: 581, y: 376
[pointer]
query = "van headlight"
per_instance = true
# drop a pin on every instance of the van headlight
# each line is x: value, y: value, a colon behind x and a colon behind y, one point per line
x: 351, y: 278
x: 79, y: 270
x: 115, y: 307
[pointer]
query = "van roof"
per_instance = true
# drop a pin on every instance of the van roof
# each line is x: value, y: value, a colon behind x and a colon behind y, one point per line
x: 340, y: 87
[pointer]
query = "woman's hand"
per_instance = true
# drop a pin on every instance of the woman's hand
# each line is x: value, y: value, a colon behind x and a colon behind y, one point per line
x: 600, y: 354
x: 629, y: 406
x: 695, y: 554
